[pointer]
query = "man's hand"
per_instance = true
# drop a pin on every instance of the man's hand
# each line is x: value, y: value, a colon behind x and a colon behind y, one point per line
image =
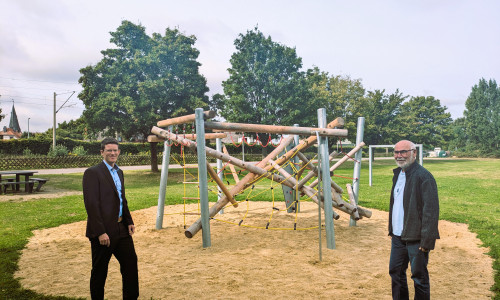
x: 104, y: 239
x: 131, y: 229
x: 423, y: 249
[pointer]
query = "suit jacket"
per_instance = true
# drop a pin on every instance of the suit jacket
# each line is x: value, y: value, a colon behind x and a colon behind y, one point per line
x: 102, y: 202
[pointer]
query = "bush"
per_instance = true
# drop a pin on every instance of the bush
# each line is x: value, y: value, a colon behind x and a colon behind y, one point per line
x: 27, y: 153
x: 58, y: 150
x: 79, y: 151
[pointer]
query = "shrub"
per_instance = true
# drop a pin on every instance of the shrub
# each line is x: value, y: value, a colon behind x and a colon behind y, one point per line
x: 79, y: 151
x: 58, y: 150
x: 27, y: 153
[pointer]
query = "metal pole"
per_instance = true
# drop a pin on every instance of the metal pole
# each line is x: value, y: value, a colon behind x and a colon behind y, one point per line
x: 243, y: 148
x: 163, y: 183
x: 421, y: 154
x: 54, y: 126
x: 218, y: 147
x: 357, y: 164
x: 202, y: 175
x: 29, y: 128
x: 326, y: 181
x: 296, y: 160
x: 370, y: 165
x: 320, y: 242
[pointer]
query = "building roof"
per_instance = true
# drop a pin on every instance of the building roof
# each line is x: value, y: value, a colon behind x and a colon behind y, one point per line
x: 14, y: 123
x: 10, y: 132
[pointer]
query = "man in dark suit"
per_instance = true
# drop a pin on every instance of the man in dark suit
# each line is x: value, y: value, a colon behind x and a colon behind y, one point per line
x: 109, y: 223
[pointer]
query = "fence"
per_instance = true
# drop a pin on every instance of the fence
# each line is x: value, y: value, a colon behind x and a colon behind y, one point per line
x: 61, y: 162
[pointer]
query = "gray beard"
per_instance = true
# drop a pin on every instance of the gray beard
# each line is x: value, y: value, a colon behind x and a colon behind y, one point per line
x: 404, y: 164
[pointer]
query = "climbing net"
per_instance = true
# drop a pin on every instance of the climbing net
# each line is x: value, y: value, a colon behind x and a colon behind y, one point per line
x: 259, y: 188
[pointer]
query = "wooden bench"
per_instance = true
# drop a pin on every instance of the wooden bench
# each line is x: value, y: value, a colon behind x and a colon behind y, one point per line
x: 12, y: 183
x: 41, y: 182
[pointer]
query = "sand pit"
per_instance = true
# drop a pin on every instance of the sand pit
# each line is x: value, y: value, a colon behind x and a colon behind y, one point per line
x: 249, y: 263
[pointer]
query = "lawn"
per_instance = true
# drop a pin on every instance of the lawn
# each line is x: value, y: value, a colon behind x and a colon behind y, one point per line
x: 468, y: 191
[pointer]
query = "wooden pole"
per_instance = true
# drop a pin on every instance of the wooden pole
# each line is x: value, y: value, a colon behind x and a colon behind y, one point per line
x: 221, y: 185
x: 241, y: 127
x: 342, y: 160
x: 185, y: 119
x: 231, y: 167
x: 208, y: 136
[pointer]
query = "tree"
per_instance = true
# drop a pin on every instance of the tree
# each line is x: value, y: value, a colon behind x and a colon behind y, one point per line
x: 459, y: 140
x: 425, y: 121
x: 338, y: 94
x: 482, y: 117
x: 142, y: 80
x: 265, y: 84
x: 1, y: 116
x: 381, y: 111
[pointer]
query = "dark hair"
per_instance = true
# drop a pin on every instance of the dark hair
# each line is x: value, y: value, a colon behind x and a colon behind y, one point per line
x: 108, y: 140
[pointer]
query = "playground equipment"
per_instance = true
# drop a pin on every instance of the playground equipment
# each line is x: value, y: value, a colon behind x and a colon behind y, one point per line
x: 327, y: 195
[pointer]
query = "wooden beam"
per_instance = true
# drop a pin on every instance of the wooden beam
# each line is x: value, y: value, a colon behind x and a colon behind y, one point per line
x: 240, y: 127
x: 209, y: 114
x: 219, y: 182
x: 231, y: 167
x: 208, y: 136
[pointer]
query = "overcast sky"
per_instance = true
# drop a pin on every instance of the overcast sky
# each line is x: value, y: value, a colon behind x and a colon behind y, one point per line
x: 423, y: 48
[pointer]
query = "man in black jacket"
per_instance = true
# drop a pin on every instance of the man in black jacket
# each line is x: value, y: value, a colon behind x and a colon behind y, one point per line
x: 413, y: 222
x: 109, y: 223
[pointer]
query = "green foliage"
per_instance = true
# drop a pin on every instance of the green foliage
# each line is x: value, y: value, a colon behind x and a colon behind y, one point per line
x: 142, y: 80
x: 482, y: 117
x: 41, y: 146
x: 79, y: 151
x: 27, y: 152
x: 337, y: 94
x: 381, y: 112
x: 58, y: 150
x: 424, y: 121
x: 265, y: 84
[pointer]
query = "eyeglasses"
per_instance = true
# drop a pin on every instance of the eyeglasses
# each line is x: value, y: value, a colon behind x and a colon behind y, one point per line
x: 111, y: 150
x: 403, y: 152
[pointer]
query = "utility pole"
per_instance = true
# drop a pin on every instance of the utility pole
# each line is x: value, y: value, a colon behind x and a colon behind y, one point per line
x: 29, y: 128
x: 55, y: 112
x: 54, y: 127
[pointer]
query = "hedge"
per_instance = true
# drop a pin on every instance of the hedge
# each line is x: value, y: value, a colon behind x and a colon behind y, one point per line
x: 41, y: 146
x: 62, y: 162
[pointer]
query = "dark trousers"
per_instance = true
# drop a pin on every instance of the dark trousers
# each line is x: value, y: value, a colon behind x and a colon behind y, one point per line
x: 403, y: 253
x: 122, y: 248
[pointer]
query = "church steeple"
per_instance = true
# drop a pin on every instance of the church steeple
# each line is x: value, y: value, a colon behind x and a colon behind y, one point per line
x: 14, y: 123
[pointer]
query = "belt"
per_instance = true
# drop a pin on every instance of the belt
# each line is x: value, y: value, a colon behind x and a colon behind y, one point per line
x: 120, y: 219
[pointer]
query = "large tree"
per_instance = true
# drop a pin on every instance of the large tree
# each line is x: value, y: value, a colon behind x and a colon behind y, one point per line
x: 482, y: 116
x: 141, y: 80
x: 381, y: 112
x: 338, y: 94
x: 265, y: 84
x: 425, y: 121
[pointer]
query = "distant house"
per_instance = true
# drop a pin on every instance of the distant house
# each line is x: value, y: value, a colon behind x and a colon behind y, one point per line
x: 9, y: 133
x: 14, y: 131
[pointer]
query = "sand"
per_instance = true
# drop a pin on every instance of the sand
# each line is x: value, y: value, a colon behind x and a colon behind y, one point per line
x: 253, y: 263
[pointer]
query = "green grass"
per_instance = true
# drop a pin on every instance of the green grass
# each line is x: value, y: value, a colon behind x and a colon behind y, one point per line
x: 468, y: 191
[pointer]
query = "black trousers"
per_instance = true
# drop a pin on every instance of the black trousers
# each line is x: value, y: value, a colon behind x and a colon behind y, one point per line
x: 122, y: 248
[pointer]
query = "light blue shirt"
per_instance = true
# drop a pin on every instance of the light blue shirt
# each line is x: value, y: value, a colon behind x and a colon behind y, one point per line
x: 398, y: 212
x: 118, y: 183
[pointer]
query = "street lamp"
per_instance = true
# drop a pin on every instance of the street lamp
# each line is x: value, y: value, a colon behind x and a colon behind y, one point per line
x: 29, y: 128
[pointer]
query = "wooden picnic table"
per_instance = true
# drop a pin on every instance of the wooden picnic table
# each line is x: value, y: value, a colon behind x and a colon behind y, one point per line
x: 18, y: 173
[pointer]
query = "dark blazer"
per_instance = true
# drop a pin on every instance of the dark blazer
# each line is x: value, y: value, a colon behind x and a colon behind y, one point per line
x: 103, y: 203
